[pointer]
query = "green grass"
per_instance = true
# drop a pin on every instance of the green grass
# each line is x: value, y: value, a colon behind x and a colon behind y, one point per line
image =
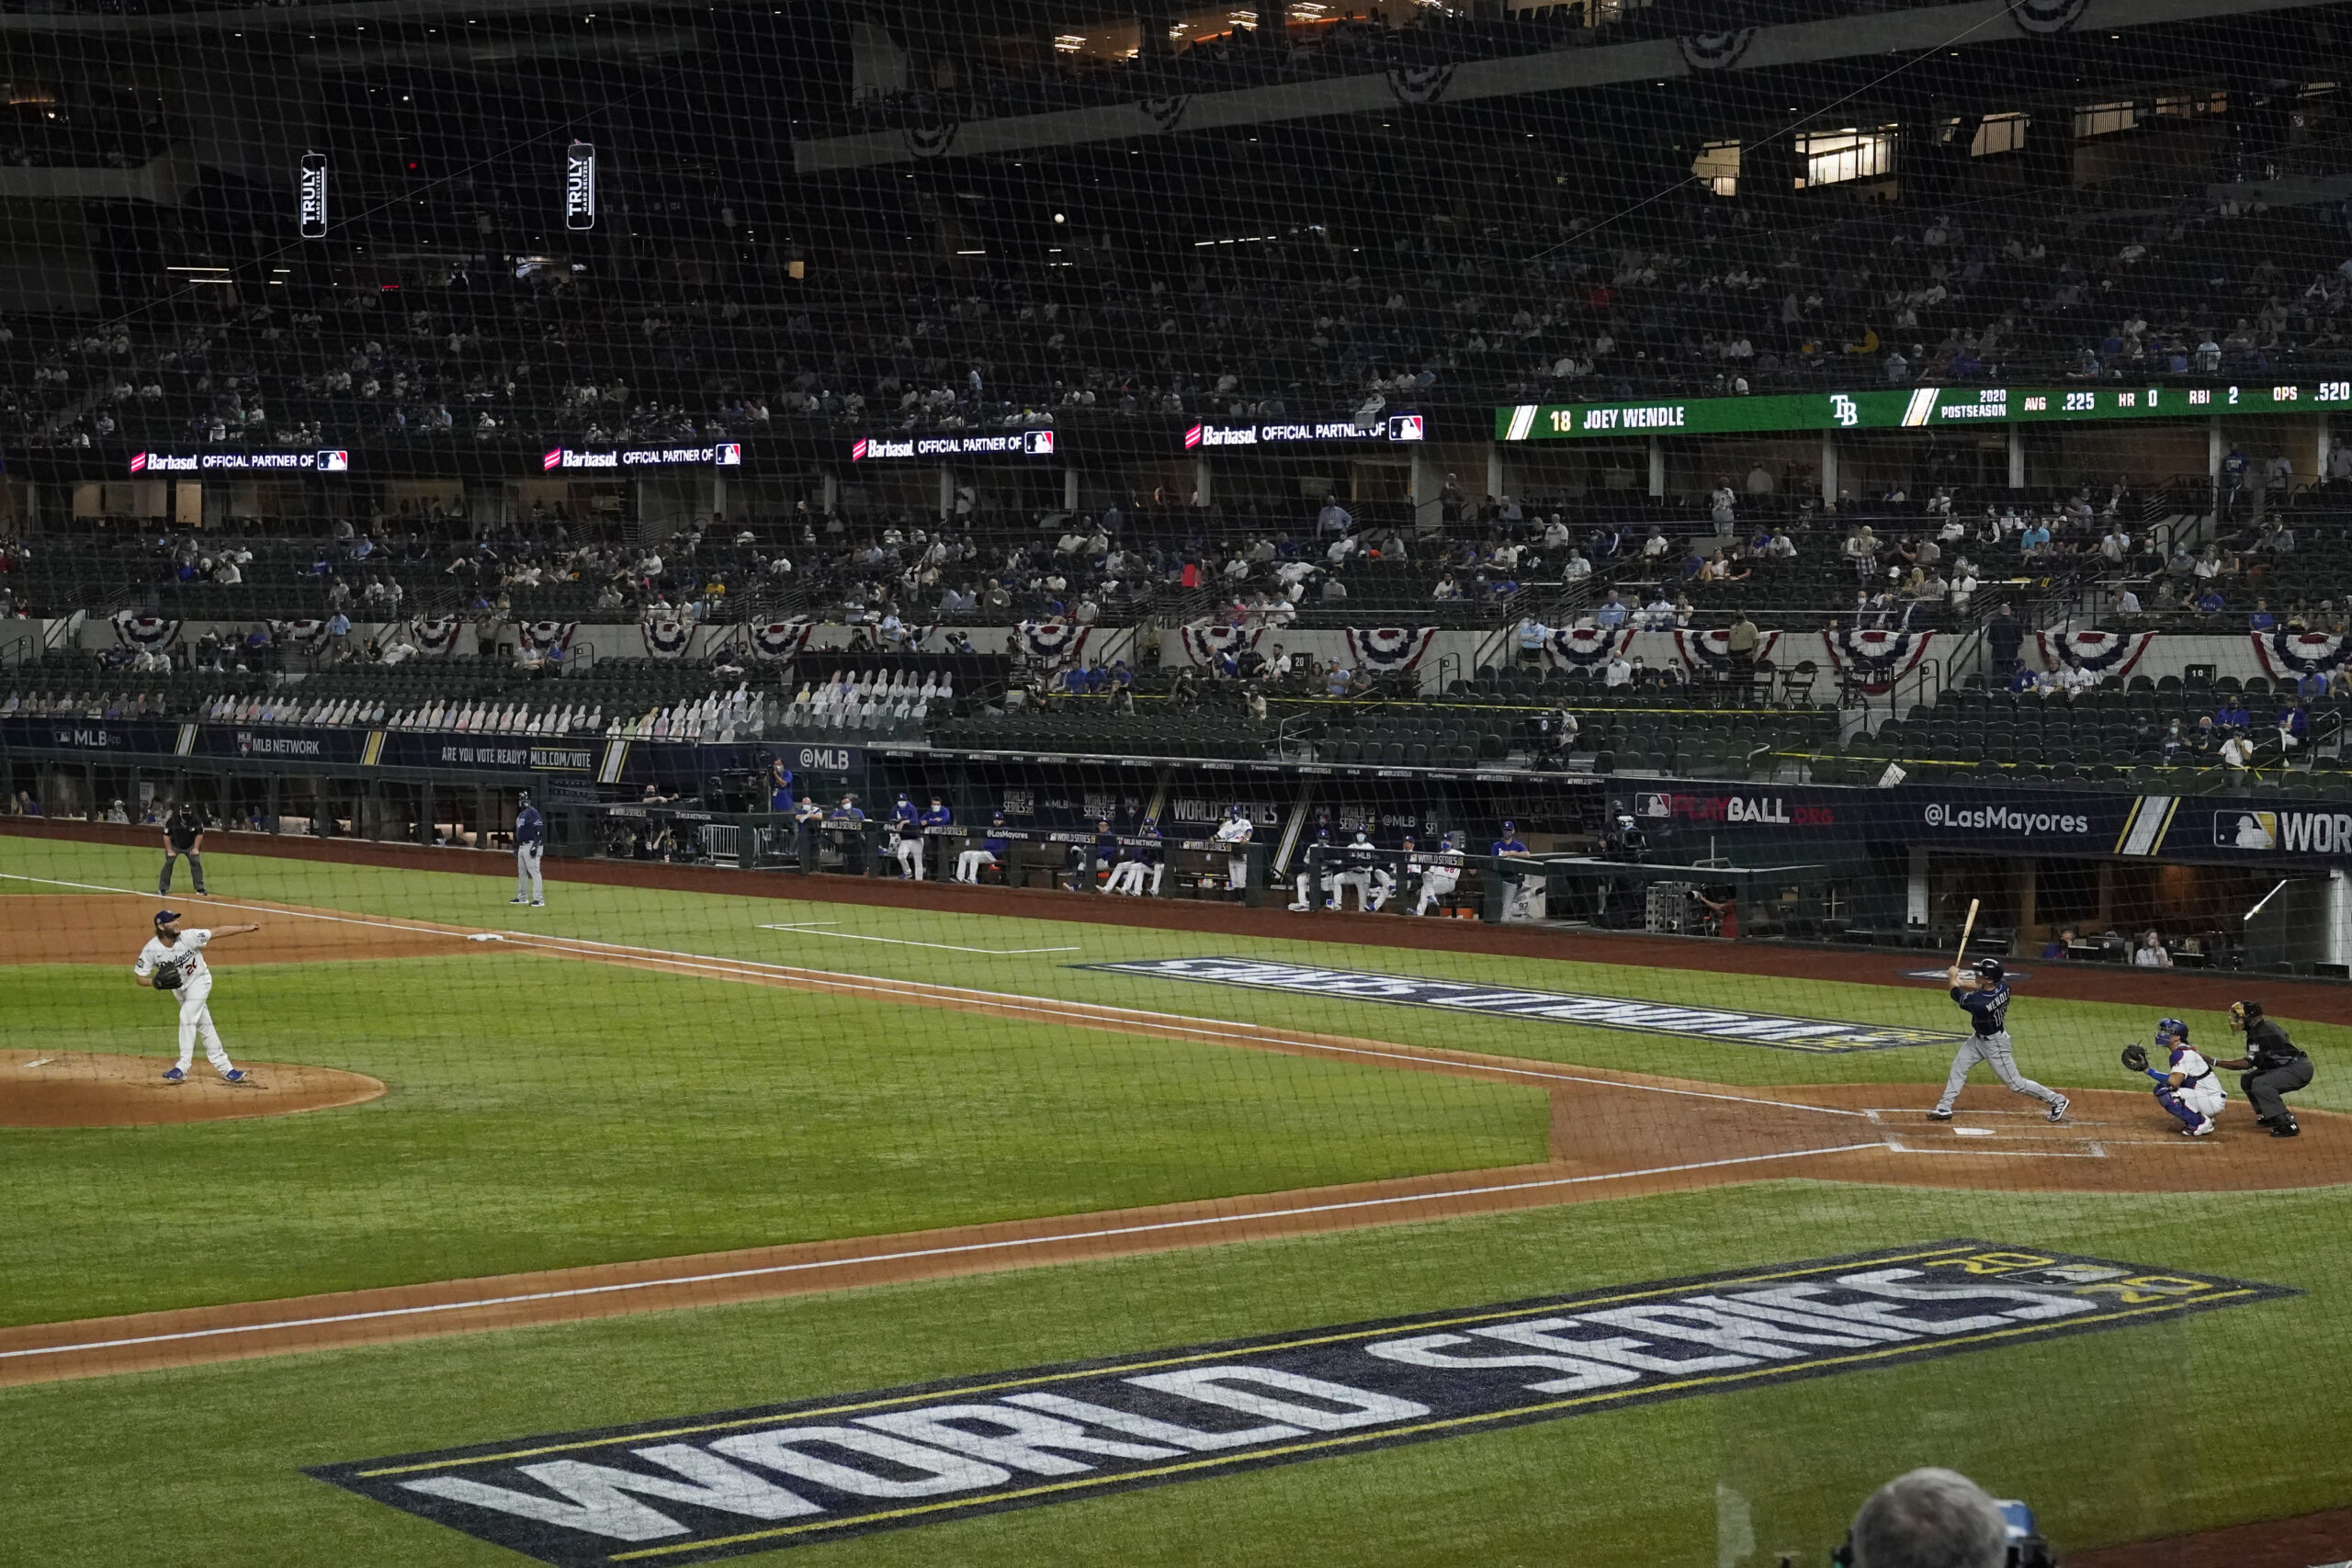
x: 2113, y: 1436
x: 546, y: 1112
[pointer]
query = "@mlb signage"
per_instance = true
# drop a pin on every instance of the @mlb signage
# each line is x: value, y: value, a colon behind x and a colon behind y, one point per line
x: 697, y: 1488
x: 1820, y: 1035
x: 724, y: 454
x: 334, y: 461
x: 1012, y: 444
x: 1308, y: 433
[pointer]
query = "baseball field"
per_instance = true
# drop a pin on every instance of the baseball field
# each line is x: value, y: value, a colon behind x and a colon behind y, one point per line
x: 602, y: 1231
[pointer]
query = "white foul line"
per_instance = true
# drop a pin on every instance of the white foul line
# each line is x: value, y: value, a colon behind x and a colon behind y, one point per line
x: 1105, y: 1233
x: 808, y: 927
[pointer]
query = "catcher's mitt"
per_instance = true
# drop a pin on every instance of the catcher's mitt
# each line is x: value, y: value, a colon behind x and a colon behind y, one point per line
x: 2135, y: 1056
x: 166, y: 977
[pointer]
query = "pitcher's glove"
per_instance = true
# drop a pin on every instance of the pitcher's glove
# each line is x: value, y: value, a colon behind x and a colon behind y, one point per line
x: 166, y: 977
x: 2135, y: 1056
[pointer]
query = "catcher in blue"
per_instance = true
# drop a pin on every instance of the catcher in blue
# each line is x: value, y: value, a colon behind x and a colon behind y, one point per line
x: 1983, y: 992
x: 2187, y: 1086
x: 172, y: 963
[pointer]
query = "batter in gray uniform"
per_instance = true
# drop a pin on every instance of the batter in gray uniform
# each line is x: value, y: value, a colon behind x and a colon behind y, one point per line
x: 1984, y: 993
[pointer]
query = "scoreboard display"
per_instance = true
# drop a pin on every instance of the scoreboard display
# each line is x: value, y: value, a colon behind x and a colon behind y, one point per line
x: 1921, y: 408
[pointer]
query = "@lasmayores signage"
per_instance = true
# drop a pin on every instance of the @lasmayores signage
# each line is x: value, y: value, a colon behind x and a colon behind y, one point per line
x: 1208, y: 436
x: 721, y: 454
x: 1815, y: 1035
x: 333, y: 460
x: 700, y: 1488
x: 1011, y: 444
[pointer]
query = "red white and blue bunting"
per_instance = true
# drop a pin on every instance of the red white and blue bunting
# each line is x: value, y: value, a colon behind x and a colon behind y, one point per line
x: 666, y: 639
x: 1709, y: 652
x: 2286, y: 654
x: 1050, y: 642
x: 1586, y: 647
x: 436, y: 634
x: 1205, y: 641
x: 780, y: 640
x: 2101, y: 653
x: 306, y: 635
x: 135, y: 630
x: 1390, y: 650
x: 545, y: 635
x: 1877, y: 658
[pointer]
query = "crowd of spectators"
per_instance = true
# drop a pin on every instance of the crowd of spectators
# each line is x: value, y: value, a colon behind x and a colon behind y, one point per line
x: 1695, y: 297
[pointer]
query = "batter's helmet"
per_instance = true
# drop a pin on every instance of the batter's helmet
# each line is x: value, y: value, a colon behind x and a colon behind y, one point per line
x: 1988, y: 968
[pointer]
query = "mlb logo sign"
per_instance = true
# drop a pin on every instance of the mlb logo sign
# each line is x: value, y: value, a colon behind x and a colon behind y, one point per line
x: 857, y: 450
x: 729, y: 454
x: 1038, y: 443
x: 139, y: 462
x: 552, y: 460
x: 1659, y: 806
x: 1406, y: 427
x: 2246, y: 829
x: 1191, y: 439
x: 335, y: 462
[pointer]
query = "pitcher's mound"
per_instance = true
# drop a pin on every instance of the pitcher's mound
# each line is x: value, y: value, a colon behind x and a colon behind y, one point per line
x: 86, y: 1089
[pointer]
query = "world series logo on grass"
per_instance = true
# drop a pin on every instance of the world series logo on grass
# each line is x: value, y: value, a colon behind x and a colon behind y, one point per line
x: 704, y: 1487
x: 1775, y: 1029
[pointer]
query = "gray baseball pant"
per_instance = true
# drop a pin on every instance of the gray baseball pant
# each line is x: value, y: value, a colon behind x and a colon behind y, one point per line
x: 1995, y: 1052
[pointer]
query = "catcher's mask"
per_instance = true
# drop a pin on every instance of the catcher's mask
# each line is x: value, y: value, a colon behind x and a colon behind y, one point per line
x: 2170, y: 1030
x: 2244, y: 1015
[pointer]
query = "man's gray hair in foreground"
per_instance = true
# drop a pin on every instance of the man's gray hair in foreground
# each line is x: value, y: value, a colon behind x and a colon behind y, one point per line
x: 1931, y: 1518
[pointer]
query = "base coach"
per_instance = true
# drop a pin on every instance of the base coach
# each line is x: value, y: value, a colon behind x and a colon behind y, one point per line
x: 2273, y: 1065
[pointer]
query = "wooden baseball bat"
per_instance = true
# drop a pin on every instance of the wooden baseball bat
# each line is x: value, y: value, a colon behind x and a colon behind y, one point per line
x: 1967, y: 929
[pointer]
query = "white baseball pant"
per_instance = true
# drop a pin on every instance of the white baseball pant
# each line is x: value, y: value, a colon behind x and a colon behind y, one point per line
x: 907, y: 853
x: 526, y: 872
x: 968, y: 864
x: 1995, y: 1052
x: 195, y: 1021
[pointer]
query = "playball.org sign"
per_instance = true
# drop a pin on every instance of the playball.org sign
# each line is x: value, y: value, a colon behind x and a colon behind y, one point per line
x: 335, y: 461
x: 723, y: 455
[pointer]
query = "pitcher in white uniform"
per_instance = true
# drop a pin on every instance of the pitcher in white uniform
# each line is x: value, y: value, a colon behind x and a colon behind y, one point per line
x: 185, y: 949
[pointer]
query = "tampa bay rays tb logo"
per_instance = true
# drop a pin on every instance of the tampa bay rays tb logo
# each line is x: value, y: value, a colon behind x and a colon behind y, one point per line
x: 1844, y: 410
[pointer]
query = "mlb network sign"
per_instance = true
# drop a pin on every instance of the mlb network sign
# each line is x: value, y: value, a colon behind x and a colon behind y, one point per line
x: 724, y: 454
x: 331, y: 462
x: 1396, y: 427
x: 696, y: 1488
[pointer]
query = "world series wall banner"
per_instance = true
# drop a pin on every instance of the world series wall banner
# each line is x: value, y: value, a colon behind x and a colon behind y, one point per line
x: 1876, y: 659
x: 1051, y: 642
x: 436, y: 634
x: 779, y: 640
x: 2285, y: 654
x: 696, y: 1488
x: 1586, y: 647
x: 2110, y: 655
x: 133, y: 630
x: 1204, y: 641
x: 1711, y: 651
x: 667, y: 639
x: 546, y: 636
x: 1387, y: 650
